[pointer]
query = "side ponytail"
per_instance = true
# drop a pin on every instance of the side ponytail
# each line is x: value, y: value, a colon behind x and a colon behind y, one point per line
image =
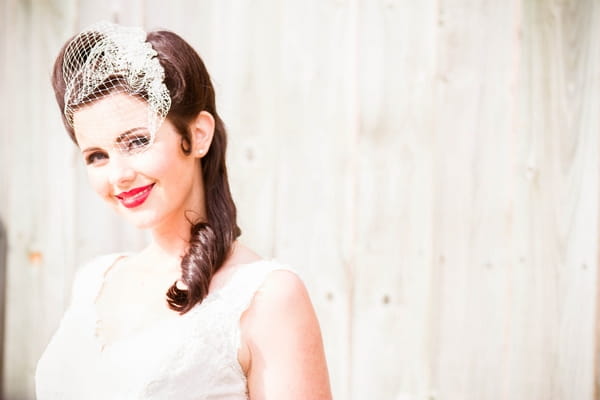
x: 191, y: 92
x: 210, y: 241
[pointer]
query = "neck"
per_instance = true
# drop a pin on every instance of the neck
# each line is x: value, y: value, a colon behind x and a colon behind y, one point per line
x: 171, y: 237
x: 170, y: 243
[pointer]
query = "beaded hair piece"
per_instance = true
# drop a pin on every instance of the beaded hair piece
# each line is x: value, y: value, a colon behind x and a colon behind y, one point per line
x: 108, y: 59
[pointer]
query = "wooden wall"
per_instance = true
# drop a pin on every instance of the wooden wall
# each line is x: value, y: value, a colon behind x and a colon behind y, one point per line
x: 431, y: 167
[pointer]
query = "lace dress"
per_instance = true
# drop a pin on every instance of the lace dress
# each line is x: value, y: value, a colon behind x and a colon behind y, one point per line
x: 193, y: 356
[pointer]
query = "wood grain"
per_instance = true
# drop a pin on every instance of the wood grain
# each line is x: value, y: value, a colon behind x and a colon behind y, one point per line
x: 559, y: 150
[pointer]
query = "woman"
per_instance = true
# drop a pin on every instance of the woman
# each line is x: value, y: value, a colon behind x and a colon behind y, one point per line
x: 196, y: 314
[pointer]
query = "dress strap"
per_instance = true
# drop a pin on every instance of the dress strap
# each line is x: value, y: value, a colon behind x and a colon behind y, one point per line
x: 89, y: 278
x: 247, y: 281
x: 243, y: 287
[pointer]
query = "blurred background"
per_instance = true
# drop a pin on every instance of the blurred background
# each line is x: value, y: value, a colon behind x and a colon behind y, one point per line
x: 430, y: 167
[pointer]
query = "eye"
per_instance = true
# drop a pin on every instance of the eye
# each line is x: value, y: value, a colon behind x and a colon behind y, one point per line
x: 137, y: 142
x: 95, y: 157
x: 133, y: 141
x: 134, y: 144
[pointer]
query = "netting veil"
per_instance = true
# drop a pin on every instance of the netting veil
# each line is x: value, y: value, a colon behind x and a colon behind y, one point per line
x: 108, y: 59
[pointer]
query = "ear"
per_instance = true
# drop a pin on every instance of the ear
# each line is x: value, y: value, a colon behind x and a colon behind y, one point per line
x: 202, y: 129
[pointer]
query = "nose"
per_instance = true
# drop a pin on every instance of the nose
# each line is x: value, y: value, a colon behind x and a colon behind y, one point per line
x: 121, y: 171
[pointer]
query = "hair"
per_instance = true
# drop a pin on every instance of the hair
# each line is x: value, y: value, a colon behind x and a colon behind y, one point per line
x: 191, y: 92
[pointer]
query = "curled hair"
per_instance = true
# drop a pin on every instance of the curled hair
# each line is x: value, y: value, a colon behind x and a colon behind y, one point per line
x: 191, y: 92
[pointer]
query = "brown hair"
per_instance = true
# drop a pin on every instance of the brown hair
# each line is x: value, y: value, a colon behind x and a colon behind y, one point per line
x: 191, y: 92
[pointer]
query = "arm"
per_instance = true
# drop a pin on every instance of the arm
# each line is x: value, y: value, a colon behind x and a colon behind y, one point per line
x: 282, y: 349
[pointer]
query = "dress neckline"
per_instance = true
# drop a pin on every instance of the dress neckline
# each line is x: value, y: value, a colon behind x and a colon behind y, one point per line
x: 105, y: 347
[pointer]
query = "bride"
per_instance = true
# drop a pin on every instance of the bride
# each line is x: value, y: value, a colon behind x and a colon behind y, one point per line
x: 196, y: 314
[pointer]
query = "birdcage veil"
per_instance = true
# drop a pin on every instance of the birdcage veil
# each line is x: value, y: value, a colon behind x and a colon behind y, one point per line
x: 107, y: 59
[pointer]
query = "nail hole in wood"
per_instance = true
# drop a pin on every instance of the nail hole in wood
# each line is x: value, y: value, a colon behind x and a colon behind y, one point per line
x: 249, y: 154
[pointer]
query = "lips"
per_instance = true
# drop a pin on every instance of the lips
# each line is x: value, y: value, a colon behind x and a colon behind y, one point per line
x: 135, y: 197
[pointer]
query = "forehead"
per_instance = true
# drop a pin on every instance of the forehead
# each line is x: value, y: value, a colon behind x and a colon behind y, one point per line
x: 104, y: 120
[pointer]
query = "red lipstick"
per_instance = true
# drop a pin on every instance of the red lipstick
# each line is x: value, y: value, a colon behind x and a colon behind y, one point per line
x: 135, y: 197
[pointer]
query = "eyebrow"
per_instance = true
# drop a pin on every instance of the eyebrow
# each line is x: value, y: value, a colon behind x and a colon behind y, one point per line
x: 119, y: 138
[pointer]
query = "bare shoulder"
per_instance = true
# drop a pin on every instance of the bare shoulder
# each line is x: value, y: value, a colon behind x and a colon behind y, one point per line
x: 281, y: 334
x: 281, y: 300
x: 281, y: 285
x: 281, y: 304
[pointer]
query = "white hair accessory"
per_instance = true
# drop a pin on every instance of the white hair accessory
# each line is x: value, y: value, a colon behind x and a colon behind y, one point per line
x: 107, y: 59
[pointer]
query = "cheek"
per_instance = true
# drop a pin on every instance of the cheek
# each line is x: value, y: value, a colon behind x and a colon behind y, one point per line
x: 98, y: 182
x: 149, y: 167
x: 164, y: 164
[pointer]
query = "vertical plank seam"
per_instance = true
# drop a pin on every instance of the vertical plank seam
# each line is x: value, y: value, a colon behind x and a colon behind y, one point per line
x: 434, y: 317
x: 596, y: 358
x: 515, y: 112
x: 3, y: 178
x: 354, y: 144
x: 596, y: 366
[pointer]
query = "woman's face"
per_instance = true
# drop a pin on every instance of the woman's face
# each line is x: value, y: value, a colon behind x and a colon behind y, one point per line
x: 152, y: 185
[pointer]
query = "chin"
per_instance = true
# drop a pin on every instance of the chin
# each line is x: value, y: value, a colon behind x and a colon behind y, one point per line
x: 139, y: 220
x: 142, y: 225
x: 145, y: 223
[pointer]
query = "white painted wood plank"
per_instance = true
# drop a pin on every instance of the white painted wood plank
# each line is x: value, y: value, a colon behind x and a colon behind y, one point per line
x: 126, y: 12
x: 316, y: 145
x: 474, y: 181
x: 392, y: 311
x: 196, y: 21
x: 557, y: 199
x: 37, y: 268
x: 5, y: 139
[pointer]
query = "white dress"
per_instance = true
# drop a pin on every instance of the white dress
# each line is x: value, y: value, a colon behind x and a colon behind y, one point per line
x: 192, y: 357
